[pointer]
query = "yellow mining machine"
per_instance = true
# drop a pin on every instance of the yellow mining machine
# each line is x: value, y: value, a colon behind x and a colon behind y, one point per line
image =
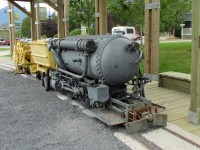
x: 23, y: 59
x: 43, y: 59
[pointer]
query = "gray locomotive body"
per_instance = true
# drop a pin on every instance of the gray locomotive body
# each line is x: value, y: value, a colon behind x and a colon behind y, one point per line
x: 97, y: 70
x: 111, y: 60
x: 105, y: 61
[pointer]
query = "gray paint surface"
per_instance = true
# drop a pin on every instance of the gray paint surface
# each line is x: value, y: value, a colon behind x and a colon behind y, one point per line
x: 111, y: 61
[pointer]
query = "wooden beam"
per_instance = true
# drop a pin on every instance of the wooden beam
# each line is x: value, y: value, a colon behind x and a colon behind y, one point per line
x: 97, y: 17
x: 151, y: 47
x: 147, y: 45
x: 37, y: 22
x: 61, y: 27
x: 39, y: 1
x: 20, y: 8
x: 101, y: 17
x: 155, y: 39
x: 33, y: 19
x: 194, y: 112
x: 11, y: 28
x: 66, y: 17
x: 51, y: 4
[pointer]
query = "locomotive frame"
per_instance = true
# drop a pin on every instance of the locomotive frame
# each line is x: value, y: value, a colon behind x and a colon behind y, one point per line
x: 106, y: 97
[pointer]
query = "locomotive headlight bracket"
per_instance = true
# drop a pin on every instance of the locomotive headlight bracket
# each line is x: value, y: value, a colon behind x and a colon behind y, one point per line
x: 134, y: 46
x: 129, y: 48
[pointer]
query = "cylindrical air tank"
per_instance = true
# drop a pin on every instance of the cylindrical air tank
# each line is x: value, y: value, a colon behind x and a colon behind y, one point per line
x: 112, y: 58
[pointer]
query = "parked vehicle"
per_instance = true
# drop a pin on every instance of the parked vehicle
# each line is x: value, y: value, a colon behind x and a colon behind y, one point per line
x: 126, y: 31
x: 6, y: 42
x: 1, y: 41
x: 26, y: 40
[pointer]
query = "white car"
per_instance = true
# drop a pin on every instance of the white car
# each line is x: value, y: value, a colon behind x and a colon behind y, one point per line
x: 126, y: 31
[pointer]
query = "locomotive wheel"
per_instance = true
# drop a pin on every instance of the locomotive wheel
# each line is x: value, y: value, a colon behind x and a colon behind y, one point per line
x: 43, y: 76
x: 38, y: 75
x: 70, y: 95
x: 47, y: 81
x: 27, y: 70
x: 87, y: 103
x: 106, y: 104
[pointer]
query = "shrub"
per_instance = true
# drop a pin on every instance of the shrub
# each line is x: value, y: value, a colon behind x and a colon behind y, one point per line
x: 91, y: 31
x: 75, y: 32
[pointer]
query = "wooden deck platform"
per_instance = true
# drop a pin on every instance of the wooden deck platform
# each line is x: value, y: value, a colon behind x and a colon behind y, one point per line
x: 176, y: 103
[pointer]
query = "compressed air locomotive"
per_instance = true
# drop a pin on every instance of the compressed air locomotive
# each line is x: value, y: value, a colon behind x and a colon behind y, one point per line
x: 103, y: 72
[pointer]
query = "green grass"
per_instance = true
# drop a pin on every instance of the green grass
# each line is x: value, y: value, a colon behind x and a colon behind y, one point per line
x: 3, y: 49
x: 175, y: 57
x: 6, y: 55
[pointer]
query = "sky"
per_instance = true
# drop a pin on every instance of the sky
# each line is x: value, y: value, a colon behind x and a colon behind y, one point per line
x: 4, y: 3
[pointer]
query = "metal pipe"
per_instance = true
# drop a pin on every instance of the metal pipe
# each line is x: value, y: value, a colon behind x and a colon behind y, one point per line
x: 119, y: 103
x: 78, y: 45
x: 116, y: 109
x: 143, y: 99
x: 59, y: 59
x: 76, y: 75
x: 71, y: 90
x: 139, y: 58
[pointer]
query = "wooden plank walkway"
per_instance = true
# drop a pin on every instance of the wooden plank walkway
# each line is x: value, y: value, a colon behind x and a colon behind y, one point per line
x: 176, y: 103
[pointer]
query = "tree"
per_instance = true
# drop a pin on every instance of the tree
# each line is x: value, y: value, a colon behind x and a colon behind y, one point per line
x: 127, y: 14
x: 49, y: 28
x: 133, y: 14
x: 75, y: 18
x: 26, y: 28
x: 88, y: 10
x: 54, y: 17
x: 81, y: 12
x: 18, y: 33
x: 172, y: 13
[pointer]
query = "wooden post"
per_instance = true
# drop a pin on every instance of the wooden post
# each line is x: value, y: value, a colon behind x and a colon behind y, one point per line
x: 101, y: 17
x: 61, y: 28
x: 151, y: 47
x: 37, y: 22
x: 97, y: 15
x: 11, y: 28
x: 66, y: 17
x: 194, y: 112
x: 33, y: 16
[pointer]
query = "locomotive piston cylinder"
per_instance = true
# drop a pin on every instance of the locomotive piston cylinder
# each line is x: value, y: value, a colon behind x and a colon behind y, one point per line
x: 78, y: 45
